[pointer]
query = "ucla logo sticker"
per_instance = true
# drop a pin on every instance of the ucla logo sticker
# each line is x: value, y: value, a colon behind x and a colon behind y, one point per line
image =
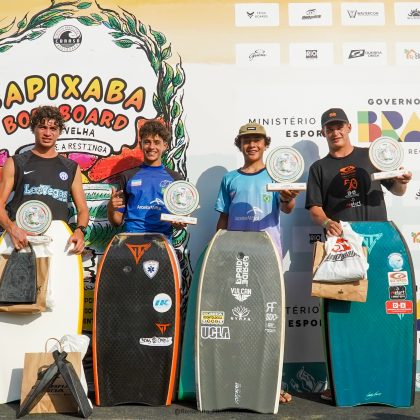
x: 67, y: 38
x: 162, y: 302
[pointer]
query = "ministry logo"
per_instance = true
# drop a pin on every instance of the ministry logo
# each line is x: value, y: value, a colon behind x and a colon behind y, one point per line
x: 356, y: 53
x: 311, y: 14
x: 257, y: 53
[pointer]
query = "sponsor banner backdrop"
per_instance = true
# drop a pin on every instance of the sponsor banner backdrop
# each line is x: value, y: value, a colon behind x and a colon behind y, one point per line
x: 111, y: 65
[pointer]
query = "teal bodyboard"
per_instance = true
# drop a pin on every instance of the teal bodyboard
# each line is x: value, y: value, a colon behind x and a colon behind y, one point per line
x: 371, y: 346
x: 186, y: 390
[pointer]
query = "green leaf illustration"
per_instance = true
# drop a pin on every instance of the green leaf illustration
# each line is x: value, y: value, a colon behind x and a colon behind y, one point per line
x: 179, y: 78
x: 142, y: 29
x: 157, y: 104
x: 114, y: 23
x: 97, y: 17
x: 124, y: 43
x: 167, y: 78
x: 87, y: 21
x: 5, y: 48
x: 53, y: 21
x: 117, y: 35
x: 169, y: 93
x: 6, y: 28
x: 159, y: 37
x: 131, y: 25
x: 35, y: 34
x: 176, y: 110
x: 179, y: 152
x: 23, y: 22
x: 84, y: 5
x: 166, y: 53
x: 179, y: 130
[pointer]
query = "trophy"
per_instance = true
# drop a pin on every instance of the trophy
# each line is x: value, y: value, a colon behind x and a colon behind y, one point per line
x: 387, y: 155
x: 181, y: 199
x: 285, y: 165
x: 35, y: 217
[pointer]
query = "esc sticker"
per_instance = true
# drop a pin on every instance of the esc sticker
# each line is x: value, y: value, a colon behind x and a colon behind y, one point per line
x: 399, y: 307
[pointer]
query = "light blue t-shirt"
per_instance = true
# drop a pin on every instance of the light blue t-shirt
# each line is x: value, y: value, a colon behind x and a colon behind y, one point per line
x: 244, y: 197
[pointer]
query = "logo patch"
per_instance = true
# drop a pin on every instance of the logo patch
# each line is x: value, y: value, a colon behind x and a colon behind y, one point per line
x: 156, y: 341
x: 151, y: 268
x: 215, y: 333
x: 399, y: 278
x: 63, y: 176
x: 399, y: 307
x: 397, y: 292
x: 162, y: 327
x: 240, y: 313
x: 162, y: 302
x: 138, y: 250
x: 213, y: 317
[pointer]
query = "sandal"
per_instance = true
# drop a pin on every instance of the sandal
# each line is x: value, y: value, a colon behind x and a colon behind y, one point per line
x: 285, y: 397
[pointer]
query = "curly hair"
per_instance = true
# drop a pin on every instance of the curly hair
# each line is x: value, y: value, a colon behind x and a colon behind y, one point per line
x: 47, y: 113
x: 153, y: 128
x: 238, y: 140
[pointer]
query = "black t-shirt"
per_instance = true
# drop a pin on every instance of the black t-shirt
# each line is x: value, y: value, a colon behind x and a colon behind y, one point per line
x: 343, y: 188
x: 45, y: 179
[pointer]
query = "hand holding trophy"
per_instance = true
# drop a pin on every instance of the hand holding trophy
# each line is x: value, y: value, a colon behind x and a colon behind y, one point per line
x: 34, y: 217
x: 181, y: 199
x: 387, y: 155
x: 285, y: 165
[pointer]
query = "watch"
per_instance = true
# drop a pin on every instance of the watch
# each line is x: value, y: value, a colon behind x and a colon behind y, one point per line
x: 82, y: 228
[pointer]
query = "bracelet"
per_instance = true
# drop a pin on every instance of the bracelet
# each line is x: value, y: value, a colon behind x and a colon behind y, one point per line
x: 285, y: 201
x: 325, y: 223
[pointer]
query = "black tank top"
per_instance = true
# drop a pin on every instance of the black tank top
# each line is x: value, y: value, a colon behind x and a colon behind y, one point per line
x: 45, y: 179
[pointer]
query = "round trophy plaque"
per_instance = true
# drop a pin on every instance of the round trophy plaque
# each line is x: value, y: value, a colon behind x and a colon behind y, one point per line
x: 285, y: 164
x: 181, y: 198
x: 34, y: 216
x: 386, y: 154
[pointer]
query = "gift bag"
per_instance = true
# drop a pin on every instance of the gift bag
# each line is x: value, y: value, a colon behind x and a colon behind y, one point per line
x: 42, y: 269
x: 345, y: 260
x: 18, y: 279
x: 355, y: 291
x: 58, y: 397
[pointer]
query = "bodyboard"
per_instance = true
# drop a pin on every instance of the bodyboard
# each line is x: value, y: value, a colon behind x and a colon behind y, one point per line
x: 240, y: 324
x: 186, y: 389
x: 28, y: 333
x: 371, y: 346
x: 136, y: 321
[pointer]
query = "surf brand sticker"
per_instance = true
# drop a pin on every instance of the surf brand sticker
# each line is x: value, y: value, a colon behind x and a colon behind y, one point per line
x: 162, y: 302
x: 151, y: 268
x: 370, y: 240
x: 138, y: 250
x: 399, y: 307
x: 212, y: 317
x: 240, y: 293
x: 240, y: 313
x: 162, y: 327
x: 242, y: 269
x: 399, y: 278
x: 215, y: 333
x: 396, y: 261
x: 397, y: 292
x: 156, y: 341
x: 270, y: 317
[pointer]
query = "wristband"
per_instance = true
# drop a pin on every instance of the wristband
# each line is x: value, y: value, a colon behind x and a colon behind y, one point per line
x: 325, y: 223
x: 285, y: 201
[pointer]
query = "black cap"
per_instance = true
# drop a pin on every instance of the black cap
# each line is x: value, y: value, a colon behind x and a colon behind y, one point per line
x: 333, y: 114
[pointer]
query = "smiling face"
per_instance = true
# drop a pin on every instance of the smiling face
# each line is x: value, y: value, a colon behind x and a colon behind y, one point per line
x: 153, y: 147
x: 253, y: 147
x: 337, y: 135
x: 46, y: 134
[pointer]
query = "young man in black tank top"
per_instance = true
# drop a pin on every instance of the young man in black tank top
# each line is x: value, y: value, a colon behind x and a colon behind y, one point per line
x: 31, y: 175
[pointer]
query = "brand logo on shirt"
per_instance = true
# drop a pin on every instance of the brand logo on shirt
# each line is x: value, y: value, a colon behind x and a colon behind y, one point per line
x: 136, y: 183
x: 63, y: 176
x: 46, y: 190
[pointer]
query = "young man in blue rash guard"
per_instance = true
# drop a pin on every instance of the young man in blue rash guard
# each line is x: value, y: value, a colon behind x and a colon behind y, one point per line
x: 139, y: 202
